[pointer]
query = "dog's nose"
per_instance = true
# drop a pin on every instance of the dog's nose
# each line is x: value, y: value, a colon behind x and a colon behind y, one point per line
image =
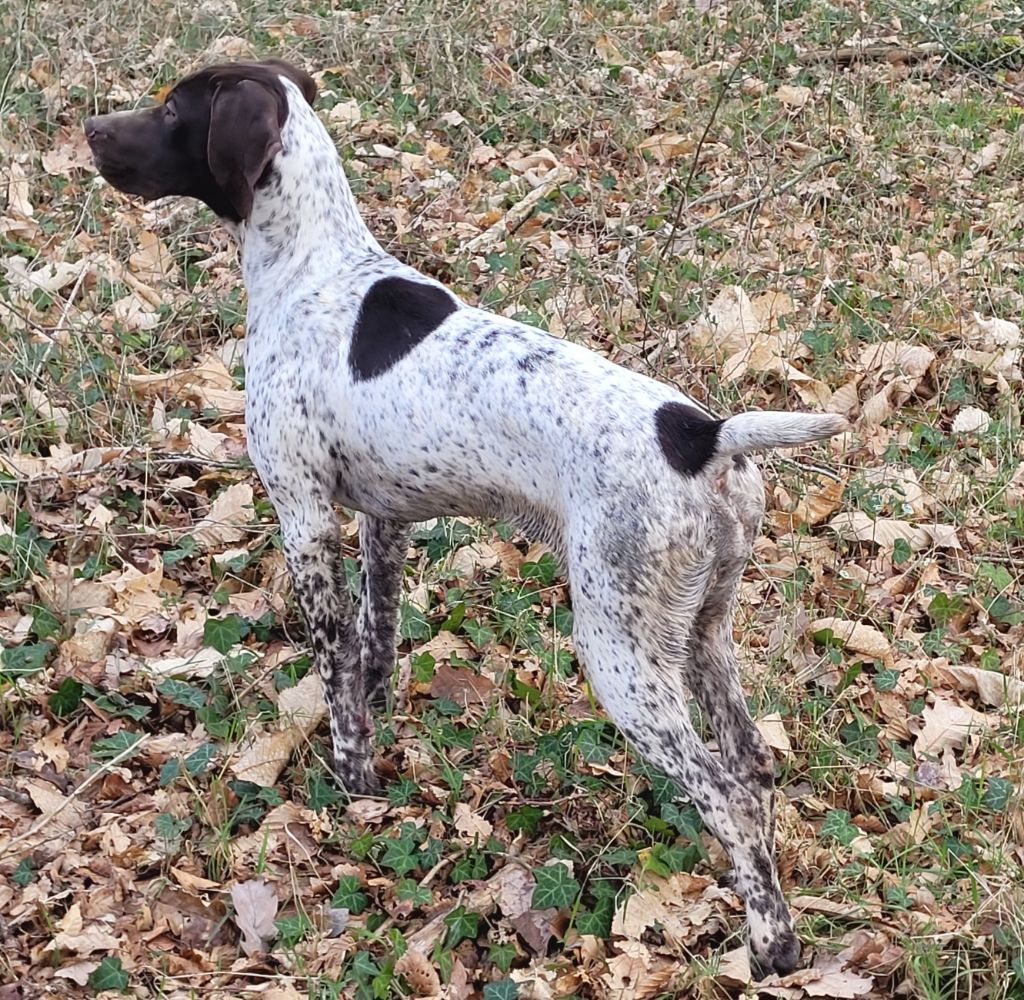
x: 93, y: 128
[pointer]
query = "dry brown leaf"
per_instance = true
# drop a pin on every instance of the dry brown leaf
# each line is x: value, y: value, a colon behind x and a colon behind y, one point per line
x: 608, y: 50
x: 734, y: 967
x: 90, y: 642
x: 515, y: 890
x: 69, y: 152
x: 152, y: 262
x: 770, y: 306
x: 819, y: 502
x: 666, y: 146
x: 884, y: 532
x: 134, y: 312
x: 232, y: 508
x: 832, y: 980
x: 543, y: 159
x: 971, y: 420
x: 773, y: 729
x: 676, y: 905
x: 201, y: 663
x: 300, y: 709
x: 255, y: 905
x: 994, y: 688
x: 19, y: 196
x: 420, y: 973
x: 90, y: 939
x: 472, y: 827
x: 60, y: 462
x: 57, y: 416
x: 793, y: 97
x: 63, y: 813
x: 461, y: 685
x: 948, y: 724
x: 892, y: 356
x: 855, y: 636
x: 993, y: 333
x: 763, y: 354
x: 729, y: 325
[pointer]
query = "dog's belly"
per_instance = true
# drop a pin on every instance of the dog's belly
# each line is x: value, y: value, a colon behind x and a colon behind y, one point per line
x: 420, y: 491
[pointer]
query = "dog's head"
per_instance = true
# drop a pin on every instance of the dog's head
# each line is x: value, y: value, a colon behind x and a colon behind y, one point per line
x: 212, y: 138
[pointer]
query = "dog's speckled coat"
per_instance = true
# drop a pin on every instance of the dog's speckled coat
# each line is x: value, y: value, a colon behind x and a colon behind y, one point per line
x: 371, y: 385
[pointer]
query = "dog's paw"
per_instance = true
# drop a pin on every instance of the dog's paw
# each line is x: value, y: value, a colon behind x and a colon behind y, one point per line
x: 356, y: 775
x: 776, y: 953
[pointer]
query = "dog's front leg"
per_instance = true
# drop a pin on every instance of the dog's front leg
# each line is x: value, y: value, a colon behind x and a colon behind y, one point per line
x: 382, y: 547
x: 313, y: 551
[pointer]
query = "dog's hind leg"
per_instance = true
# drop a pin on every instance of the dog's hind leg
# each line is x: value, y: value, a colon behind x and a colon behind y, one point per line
x: 634, y: 643
x: 712, y: 674
x: 382, y: 548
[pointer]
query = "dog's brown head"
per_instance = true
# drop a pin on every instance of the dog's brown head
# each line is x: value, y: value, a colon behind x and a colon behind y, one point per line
x: 212, y: 138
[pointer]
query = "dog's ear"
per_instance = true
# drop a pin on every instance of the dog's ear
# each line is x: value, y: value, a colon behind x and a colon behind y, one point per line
x: 245, y: 135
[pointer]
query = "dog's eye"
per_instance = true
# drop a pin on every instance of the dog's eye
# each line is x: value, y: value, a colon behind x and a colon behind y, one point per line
x: 169, y: 113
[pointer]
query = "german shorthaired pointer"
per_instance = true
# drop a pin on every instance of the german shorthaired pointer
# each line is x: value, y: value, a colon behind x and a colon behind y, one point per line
x: 371, y: 385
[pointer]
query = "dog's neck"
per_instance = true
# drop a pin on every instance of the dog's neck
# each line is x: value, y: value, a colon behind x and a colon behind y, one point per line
x: 304, y: 213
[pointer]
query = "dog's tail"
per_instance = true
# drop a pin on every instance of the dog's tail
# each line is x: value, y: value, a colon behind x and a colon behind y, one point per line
x: 690, y: 438
x: 763, y: 430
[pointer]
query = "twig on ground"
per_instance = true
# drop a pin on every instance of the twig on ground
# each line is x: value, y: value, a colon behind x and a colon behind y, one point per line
x: 521, y: 210
x: 759, y: 199
x: 853, y: 54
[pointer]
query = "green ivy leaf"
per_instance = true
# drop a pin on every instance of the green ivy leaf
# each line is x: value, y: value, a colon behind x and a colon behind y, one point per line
x: 555, y: 887
x: 998, y: 792
x: 470, y: 866
x: 506, y: 989
x: 461, y: 924
x: 24, y: 873
x: 350, y: 895
x: 223, y: 633
x: 412, y: 622
x: 168, y: 827
x: 67, y: 697
x: 400, y: 855
x: 182, y: 693
x: 837, y: 824
x: 597, y: 922
x: 544, y: 570
x: 171, y: 769
x: 591, y: 746
x: 503, y: 955
x: 185, y: 548
x: 110, y: 974
x: 480, y: 635
x: 410, y: 891
x: 28, y: 658
x: 199, y: 760
x: 45, y: 624
x: 111, y: 746
x: 525, y: 818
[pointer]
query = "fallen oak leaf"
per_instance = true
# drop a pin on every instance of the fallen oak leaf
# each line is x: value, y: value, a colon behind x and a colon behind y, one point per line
x: 300, y: 709
x: 255, y: 905
x: 886, y: 531
x: 947, y: 724
x: 231, y: 509
x: 994, y: 688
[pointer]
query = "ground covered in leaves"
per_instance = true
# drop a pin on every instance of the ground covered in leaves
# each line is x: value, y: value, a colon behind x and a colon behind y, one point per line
x: 811, y: 205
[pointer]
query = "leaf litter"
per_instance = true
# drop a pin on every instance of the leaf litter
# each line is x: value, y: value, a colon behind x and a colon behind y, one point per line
x: 167, y: 815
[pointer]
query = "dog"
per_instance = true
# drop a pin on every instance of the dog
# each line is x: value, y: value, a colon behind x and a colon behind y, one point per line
x: 371, y: 385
